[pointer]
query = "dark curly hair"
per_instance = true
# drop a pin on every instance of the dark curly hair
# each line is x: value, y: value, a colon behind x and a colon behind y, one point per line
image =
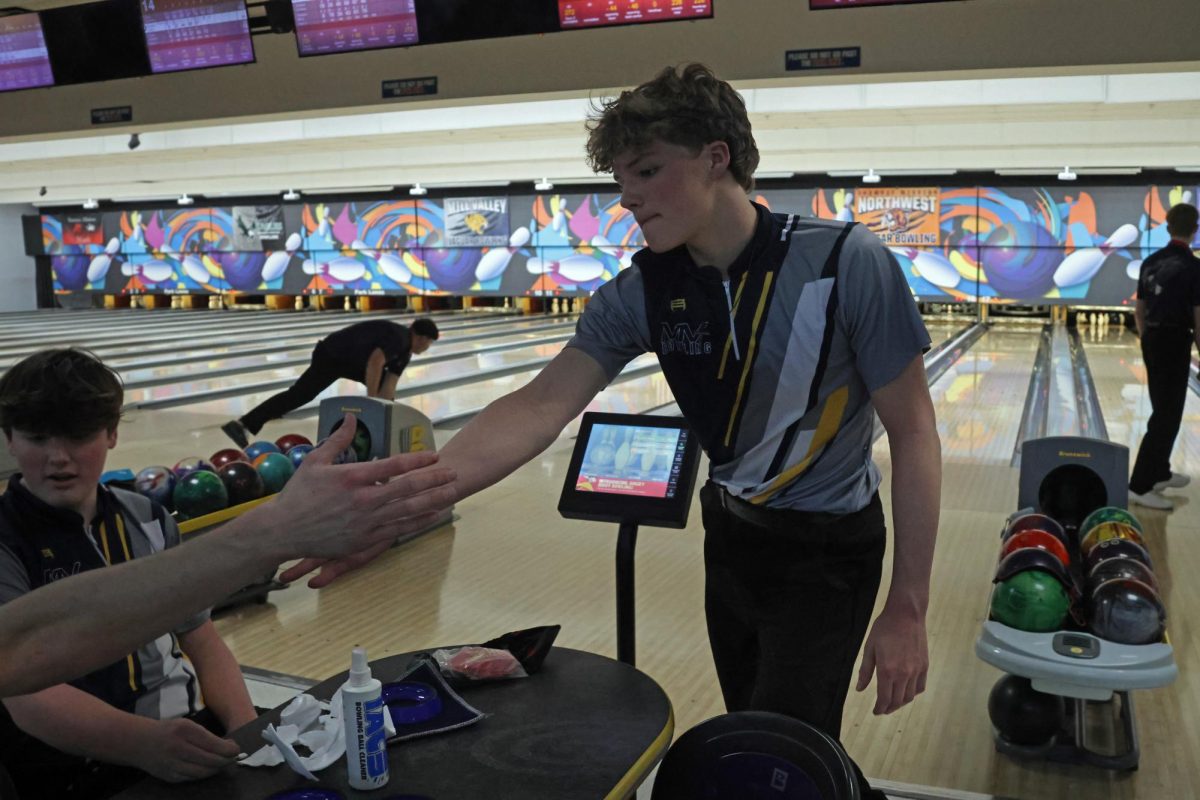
x: 426, y: 327
x: 60, y: 392
x: 687, y: 106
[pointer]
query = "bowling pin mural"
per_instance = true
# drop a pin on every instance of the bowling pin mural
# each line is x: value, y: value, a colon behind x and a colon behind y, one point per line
x: 277, y: 262
x: 1083, y: 264
x: 496, y: 260
x: 931, y: 266
x: 98, y: 269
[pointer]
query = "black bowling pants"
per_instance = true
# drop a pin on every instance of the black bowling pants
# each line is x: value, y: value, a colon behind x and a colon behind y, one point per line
x: 788, y: 598
x: 1167, y: 353
x: 321, y: 373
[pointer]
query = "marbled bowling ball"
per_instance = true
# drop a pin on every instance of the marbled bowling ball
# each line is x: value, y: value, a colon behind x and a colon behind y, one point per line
x: 286, y: 442
x: 1126, y: 611
x: 275, y: 469
x: 243, y: 271
x: 191, y: 464
x: 297, y: 453
x: 256, y: 449
x: 452, y: 269
x: 347, y: 456
x: 227, y: 456
x: 157, y: 483
x: 71, y: 267
x: 242, y: 482
x: 1019, y: 259
x: 198, y: 493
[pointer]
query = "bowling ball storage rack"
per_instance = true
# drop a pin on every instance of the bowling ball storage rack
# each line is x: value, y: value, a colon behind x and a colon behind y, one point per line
x: 1084, y: 669
x: 255, y: 592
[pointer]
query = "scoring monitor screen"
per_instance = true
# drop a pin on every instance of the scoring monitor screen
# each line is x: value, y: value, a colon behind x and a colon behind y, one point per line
x: 24, y: 62
x: 593, y: 13
x: 819, y: 4
x: 196, y: 34
x: 340, y: 26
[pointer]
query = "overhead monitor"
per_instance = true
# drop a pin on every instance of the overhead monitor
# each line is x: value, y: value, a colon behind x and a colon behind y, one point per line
x: 631, y: 468
x: 341, y: 26
x: 594, y: 13
x: 196, y: 34
x: 24, y: 62
x: 816, y: 5
x: 95, y: 42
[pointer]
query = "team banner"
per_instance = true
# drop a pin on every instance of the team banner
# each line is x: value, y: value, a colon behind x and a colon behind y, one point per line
x: 257, y: 229
x: 901, y: 217
x: 476, y: 221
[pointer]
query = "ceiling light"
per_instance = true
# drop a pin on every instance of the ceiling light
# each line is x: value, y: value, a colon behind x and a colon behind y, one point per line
x: 417, y: 190
x: 91, y: 204
x: 871, y: 177
x: 544, y: 185
x: 291, y: 194
x: 1067, y: 175
x: 185, y: 200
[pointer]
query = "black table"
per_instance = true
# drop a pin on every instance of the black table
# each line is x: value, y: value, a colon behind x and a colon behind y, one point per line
x: 586, y: 726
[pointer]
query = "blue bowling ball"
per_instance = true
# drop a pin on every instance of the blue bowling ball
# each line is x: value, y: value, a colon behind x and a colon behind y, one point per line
x: 256, y: 449
x: 297, y: 453
x: 157, y: 483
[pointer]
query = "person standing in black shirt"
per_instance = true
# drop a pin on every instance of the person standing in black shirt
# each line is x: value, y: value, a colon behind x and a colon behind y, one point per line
x: 1168, y: 316
x: 374, y: 353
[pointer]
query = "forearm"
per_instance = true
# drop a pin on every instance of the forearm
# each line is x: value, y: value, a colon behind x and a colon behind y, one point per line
x: 387, y: 386
x: 71, y: 626
x: 220, y: 677
x: 916, y: 496
x: 78, y: 723
x: 374, y: 373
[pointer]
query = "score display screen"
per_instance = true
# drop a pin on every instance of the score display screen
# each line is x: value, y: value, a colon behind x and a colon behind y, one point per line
x: 347, y: 25
x: 196, y: 34
x: 24, y: 62
x: 622, y: 459
x: 815, y: 5
x: 594, y: 13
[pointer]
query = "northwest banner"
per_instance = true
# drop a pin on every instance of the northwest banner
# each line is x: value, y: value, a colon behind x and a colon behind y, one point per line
x: 476, y: 221
x: 899, y: 216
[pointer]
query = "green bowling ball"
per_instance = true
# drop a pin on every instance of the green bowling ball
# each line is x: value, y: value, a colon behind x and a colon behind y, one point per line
x: 1109, y: 514
x: 1032, y: 600
x: 362, y: 442
x: 275, y: 469
x: 199, y: 493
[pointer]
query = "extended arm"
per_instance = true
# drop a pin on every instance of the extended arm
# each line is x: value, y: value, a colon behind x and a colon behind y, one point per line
x: 72, y: 626
x: 375, y: 375
x: 220, y: 676
x: 896, y: 648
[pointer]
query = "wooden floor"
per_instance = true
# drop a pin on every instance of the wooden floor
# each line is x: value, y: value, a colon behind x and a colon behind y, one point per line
x: 509, y: 562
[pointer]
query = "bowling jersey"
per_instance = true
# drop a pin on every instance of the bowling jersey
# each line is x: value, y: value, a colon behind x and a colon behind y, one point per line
x: 773, y: 369
x: 349, y: 349
x: 40, y: 544
x: 1169, y: 285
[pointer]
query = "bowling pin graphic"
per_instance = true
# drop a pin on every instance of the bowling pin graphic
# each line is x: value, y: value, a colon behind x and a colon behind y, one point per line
x: 621, y: 457
x: 277, y: 262
x: 933, y: 267
x: 394, y: 268
x: 1083, y: 264
x: 497, y: 259
x: 98, y: 269
x: 195, y: 269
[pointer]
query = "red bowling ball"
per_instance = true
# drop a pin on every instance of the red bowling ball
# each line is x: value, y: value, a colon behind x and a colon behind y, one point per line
x: 227, y: 456
x: 290, y: 440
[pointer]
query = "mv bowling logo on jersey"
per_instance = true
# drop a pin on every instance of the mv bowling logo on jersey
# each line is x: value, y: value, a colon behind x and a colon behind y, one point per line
x: 681, y: 337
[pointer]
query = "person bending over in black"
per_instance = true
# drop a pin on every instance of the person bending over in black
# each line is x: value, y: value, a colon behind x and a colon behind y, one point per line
x: 374, y: 353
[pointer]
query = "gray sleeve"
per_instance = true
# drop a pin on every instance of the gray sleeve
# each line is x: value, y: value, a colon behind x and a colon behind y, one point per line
x: 613, y: 329
x: 171, y: 539
x: 878, y: 310
x: 14, y: 581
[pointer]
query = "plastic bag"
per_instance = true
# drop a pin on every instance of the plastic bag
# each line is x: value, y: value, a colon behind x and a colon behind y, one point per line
x: 476, y: 663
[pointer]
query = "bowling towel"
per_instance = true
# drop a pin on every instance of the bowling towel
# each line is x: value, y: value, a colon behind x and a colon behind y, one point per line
x: 455, y: 712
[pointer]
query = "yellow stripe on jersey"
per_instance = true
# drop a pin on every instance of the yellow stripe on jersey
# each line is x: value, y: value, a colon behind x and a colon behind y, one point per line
x: 737, y: 298
x: 827, y: 426
x: 124, y: 538
x: 748, y: 361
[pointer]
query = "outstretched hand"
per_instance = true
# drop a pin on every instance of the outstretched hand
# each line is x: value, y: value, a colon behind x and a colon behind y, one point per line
x: 347, y: 514
x: 897, y: 653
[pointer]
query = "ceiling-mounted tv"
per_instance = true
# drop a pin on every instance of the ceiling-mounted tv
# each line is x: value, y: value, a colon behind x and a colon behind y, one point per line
x: 24, y: 62
x: 196, y: 34
x: 817, y: 5
x: 341, y: 26
x: 95, y: 42
x: 595, y: 13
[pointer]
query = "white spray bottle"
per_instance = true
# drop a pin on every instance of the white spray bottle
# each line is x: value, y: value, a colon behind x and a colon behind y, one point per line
x: 362, y: 714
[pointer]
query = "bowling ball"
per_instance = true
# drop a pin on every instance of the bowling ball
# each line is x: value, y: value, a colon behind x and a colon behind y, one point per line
x: 286, y: 442
x: 1127, y: 612
x: 1105, y: 531
x: 1037, y: 522
x: 226, y: 456
x: 275, y: 469
x: 1033, y: 558
x: 198, y: 493
x: 71, y: 270
x: 1127, y: 568
x: 1043, y: 540
x: 243, y: 270
x: 297, y: 453
x: 452, y: 269
x: 1031, y: 601
x: 191, y: 464
x: 1020, y: 258
x: 1110, y: 514
x: 242, y: 482
x: 1023, y: 715
x: 255, y: 449
x: 361, y: 444
x: 157, y: 483
x: 1116, y: 548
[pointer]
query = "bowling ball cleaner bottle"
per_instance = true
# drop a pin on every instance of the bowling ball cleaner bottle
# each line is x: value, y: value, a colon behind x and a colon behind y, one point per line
x: 362, y: 715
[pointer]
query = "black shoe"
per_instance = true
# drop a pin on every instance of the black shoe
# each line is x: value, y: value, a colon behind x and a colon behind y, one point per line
x: 236, y: 431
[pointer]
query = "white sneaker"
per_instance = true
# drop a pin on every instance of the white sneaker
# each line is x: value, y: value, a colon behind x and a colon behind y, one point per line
x: 1177, y: 481
x: 1151, y: 500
